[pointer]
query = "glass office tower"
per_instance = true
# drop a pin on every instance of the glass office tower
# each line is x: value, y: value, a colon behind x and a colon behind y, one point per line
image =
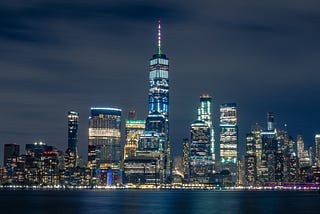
x: 73, y: 123
x: 269, y: 151
x: 159, y: 100
x: 134, y: 129
x: 229, y: 139
x: 205, y: 115
x: 159, y: 84
x: 250, y: 160
x: 105, y: 136
x: 201, y: 165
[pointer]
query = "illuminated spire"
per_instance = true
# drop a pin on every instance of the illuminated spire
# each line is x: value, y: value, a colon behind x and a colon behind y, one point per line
x: 159, y: 38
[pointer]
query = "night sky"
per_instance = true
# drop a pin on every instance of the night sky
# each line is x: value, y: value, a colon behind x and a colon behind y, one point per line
x: 58, y: 55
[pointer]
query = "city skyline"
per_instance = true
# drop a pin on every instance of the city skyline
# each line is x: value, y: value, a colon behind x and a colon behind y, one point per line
x: 47, y: 73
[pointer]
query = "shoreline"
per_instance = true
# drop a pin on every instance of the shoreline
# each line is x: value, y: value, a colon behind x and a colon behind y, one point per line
x: 108, y: 188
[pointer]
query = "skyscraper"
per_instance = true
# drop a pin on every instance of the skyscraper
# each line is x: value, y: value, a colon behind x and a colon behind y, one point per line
x: 159, y: 84
x: 73, y: 123
x: 159, y: 98
x: 300, y: 145
x: 147, y: 166
x: 105, y: 136
x: 270, y: 121
x: 71, y: 154
x: 134, y: 129
x: 256, y: 131
x: 153, y: 146
x: 10, y: 151
x: 250, y: 164
x: 200, y: 158
x: 269, y: 150
x: 205, y: 115
x: 186, y: 155
x: 303, y: 155
x: 229, y: 139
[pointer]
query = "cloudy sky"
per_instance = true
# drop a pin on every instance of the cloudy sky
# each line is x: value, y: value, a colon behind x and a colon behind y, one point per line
x: 60, y: 55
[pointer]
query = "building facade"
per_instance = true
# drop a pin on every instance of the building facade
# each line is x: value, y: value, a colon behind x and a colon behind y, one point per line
x: 205, y: 114
x: 229, y: 139
x: 159, y: 99
x: 250, y: 162
x: 134, y: 129
x: 200, y: 158
x: 186, y: 155
x: 73, y: 124
x: 105, y: 137
x: 10, y: 150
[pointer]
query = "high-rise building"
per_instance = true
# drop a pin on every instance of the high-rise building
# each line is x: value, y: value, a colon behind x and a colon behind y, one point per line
x: 275, y: 158
x: 105, y: 136
x: 303, y: 154
x: 200, y: 159
x: 134, y: 129
x: 311, y: 154
x: 250, y: 163
x: 73, y: 123
x: 11, y: 163
x: 71, y: 154
x: 36, y: 149
x: 92, y: 165
x: 205, y: 115
x: 147, y: 167
x: 10, y: 150
x: 186, y: 154
x: 159, y: 81
x: 142, y: 170
x: 49, y: 168
x: 34, y: 152
x: 153, y: 150
x: 156, y: 122
x: 159, y: 98
x: 300, y: 145
x: 256, y: 131
x: 270, y: 121
x: 291, y: 162
x: 150, y: 144
x: 268, y: 157
x: 229, y: 139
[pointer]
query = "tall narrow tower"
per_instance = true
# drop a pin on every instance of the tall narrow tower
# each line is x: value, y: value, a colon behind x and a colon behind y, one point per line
x: 73, y: 123
x: 270, y: 121
x: 159, y: 82
x: 200, y: 165
x: 159, y: 96
x: 229, y: 139
x: 300, y: 145
x: 205, y: 115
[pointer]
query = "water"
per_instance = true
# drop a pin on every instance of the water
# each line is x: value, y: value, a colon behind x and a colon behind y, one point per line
x: 158, y: 201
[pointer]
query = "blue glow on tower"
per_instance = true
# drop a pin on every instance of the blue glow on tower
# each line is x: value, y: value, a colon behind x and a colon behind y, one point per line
x: 158, y: 110
x: 159, y: 82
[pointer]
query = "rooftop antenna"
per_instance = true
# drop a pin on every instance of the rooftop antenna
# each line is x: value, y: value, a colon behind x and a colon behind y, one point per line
x: 159, y: 38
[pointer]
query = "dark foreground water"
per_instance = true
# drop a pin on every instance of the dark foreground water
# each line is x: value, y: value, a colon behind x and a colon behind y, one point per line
x: 159, y: 201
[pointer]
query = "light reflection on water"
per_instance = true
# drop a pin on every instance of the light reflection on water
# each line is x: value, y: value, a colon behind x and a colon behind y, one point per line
x: 158, y: 201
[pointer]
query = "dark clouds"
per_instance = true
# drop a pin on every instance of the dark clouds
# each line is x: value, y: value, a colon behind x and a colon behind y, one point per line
x: 61, y: 55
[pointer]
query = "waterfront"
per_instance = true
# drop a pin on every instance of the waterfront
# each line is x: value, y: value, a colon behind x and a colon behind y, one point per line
x: 158, y: 201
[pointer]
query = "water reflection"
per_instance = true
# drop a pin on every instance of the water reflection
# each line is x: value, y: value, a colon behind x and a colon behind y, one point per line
x: 157, y: 201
